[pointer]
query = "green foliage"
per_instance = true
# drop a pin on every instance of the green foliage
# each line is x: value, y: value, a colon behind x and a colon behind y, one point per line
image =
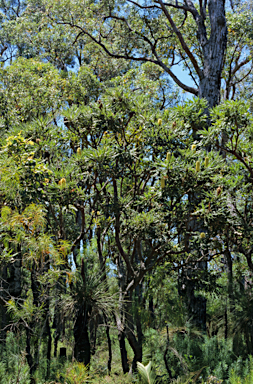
x: 146, y: 373
x: 77, y: 373
x: 86, y: 229
x: 13, y: 366
x: 243, y: 376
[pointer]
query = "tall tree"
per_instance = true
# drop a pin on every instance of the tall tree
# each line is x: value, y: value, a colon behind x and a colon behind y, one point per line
x: 192, y: 34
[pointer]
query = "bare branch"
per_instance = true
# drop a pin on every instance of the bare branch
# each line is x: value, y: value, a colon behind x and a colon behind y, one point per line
x: 182, y: 41
x: 143, y: 6
x: 241, y: 64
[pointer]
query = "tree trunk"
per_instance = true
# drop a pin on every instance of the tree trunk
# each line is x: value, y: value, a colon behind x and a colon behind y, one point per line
x: 109, y: 343
x: 49, y: 346
x: 82, y: 350
x: 57, y: 325
x: 213, y: 53
x: 151, y: 311
x: 196, y: 304
x: 32, y: 361
x: 93, y: 334
x: 132, y: 321
x: 122, y: 345
x: 123, y: 351
x: 229, y: 266
x: 136, y: 347
x: 10, y: 287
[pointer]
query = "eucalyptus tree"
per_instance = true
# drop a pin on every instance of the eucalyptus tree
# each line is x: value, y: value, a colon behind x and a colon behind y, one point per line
x: 206, y: 38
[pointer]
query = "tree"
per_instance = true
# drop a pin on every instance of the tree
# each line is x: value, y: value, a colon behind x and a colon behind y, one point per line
x: 167, y: 34
x: 161, y: 33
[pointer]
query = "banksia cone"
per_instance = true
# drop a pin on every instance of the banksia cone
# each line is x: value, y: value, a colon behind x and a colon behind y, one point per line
x: 79, y: 151
x: 38, y: 141
x: 193, y: 147
x: 162, y: 182
x: 197, y: 166
x: 219, y: 191
x: 159, y: 121
x: 202, y: 235
x: 168, y: 156
x: 62, y: 182
x: 206, y: 161
x: 174, y: 124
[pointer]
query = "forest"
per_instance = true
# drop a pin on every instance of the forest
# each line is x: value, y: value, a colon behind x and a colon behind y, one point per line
x: 126, y: 184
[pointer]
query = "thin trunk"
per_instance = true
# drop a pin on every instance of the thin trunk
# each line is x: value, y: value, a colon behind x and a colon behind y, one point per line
x: 109, y: 343
x: 135, y: 343
x: 226, y: 322
x: 57, y: 325
x: 104, y: 278
x: 229, y: 265
x: 165, y: 353
x: 151, y: 311
x: 120, y: 319
x: 122, y: 345
x: 49, y: 346
x: 32, y: 361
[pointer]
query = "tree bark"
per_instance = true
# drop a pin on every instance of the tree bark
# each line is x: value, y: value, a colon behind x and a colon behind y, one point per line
x: 82, y: 352
x: 49, y: 345
x: 109, y: 343
x: 122, y: 345
x: 213, y: 53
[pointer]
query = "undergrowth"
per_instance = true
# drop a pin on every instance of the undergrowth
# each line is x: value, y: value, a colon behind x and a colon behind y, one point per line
x: 192, y: 357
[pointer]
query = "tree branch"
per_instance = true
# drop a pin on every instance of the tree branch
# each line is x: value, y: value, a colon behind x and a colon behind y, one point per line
x: 126, y: 56
x: 181, y: 39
